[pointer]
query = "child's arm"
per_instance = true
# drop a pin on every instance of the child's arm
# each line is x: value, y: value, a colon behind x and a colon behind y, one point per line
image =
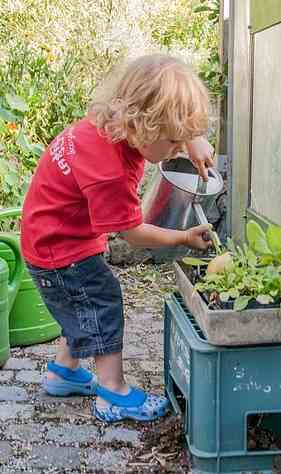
x: 151, y: 236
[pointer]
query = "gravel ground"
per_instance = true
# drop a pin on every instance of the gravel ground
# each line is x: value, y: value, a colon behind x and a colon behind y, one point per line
x: 43, y: 434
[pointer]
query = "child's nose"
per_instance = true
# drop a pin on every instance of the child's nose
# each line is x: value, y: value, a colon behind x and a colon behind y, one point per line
x: 177, y: 147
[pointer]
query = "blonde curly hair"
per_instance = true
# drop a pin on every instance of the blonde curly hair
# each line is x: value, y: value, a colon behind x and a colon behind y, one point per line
x: 157, y: 96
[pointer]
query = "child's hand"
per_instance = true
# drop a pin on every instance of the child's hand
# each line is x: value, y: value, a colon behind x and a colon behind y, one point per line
x: 201, y: 153
x: 198, y: 237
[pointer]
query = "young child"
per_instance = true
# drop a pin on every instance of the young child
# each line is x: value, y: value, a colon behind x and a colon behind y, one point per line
x: 85, y: 186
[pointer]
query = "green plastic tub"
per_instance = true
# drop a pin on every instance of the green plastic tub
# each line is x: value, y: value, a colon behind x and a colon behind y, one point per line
x: 4, y: 313
x: 29, y: 321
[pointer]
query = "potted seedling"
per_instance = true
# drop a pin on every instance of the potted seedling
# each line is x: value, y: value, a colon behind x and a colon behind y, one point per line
x: 235, y: 296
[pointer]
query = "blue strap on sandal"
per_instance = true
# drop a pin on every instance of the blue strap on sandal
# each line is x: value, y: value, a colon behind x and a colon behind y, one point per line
x: 135, y: 398
x: 72, y: 382
x: 136, y: 405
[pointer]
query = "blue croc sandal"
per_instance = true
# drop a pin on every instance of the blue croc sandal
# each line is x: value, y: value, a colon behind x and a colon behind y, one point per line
x: 73, y: 382
x: 137, y: 405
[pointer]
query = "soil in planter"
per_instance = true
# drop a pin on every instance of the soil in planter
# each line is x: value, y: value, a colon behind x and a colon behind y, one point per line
x: 218, y: 304
x: 213, y: 302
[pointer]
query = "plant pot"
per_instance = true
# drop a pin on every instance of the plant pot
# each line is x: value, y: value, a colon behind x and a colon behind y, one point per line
x: 226, y: 327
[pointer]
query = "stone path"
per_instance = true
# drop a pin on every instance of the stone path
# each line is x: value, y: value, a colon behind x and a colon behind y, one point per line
x: 43, y: 434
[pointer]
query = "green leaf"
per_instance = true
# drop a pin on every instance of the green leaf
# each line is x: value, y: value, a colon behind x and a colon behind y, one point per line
x: 194, y: 261
x: 234, y: 293
x: 23, y: 142
x: 3, y: 167
x: 257, y: 238
x: 241, y: 303
x: 231, y: 246
x: 252, y: 259
x: 273, y: 235
x: 16, y: 102
x: 224, y: 296
x: 11, y: 178
x: 266, y: 260
x: 7, y: 115
x: 203, y: 8
x: 264, y: 299
x: 37, y: 148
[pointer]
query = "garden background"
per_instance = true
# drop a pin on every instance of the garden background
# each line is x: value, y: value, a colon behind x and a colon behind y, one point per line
x: 53, y: 53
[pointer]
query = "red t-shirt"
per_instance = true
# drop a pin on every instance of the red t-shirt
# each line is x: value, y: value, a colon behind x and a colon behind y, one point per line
x: 83, y: 188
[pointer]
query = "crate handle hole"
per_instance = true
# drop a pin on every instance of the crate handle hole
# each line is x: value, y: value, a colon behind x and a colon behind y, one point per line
x: 264, y: 431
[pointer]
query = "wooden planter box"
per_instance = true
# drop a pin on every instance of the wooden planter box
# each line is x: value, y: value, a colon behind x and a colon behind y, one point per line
x: 226, y: 327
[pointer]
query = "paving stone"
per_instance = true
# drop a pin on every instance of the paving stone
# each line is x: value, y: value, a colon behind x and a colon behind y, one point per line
x: 130, y: 336
x: 6, y: 452
x: 41, y: 396
x: 72, y: 434
x: 65, y: 413
x: 29, y: 376
x: 13, y: 394
x: 113, y: 460
x: 158, y: 326
x: 42, y: 349
x: 156, y: 340
x: 139, y: 315
x: 12, y: 410
x: 19, y: 364
x: 123, y: 435
x: 23, y: 468
x: 45, y: 456
x: 6, y: 375
x: 132, y: 351
x: 27, y: 432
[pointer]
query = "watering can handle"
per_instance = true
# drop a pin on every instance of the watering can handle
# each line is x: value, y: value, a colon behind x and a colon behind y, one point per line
x: 15, y: 282
x: 14, y: 246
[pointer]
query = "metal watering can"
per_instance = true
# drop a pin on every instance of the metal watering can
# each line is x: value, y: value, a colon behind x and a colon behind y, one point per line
x: 8, y: 291
x: 178, y: 198
x: 29, y: 322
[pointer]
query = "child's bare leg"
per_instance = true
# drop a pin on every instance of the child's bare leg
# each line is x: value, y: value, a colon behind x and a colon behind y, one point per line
x: 109, y: 369
x: 63, y: 358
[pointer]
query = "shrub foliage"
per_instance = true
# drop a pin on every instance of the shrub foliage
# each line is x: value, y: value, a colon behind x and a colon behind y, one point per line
x: 53, y: 53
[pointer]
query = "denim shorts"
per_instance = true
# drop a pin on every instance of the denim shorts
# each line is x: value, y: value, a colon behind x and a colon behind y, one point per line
x: 85, y: 298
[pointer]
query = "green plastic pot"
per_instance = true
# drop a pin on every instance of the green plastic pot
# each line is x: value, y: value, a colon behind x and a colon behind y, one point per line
x: 29, y: 322
x: 9, y: 285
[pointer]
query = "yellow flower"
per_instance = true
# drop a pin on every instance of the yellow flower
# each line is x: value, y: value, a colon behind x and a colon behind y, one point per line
x: 50, y: 57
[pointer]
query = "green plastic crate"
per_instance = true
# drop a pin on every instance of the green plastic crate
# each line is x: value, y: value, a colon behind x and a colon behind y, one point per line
x: 218, y: 390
